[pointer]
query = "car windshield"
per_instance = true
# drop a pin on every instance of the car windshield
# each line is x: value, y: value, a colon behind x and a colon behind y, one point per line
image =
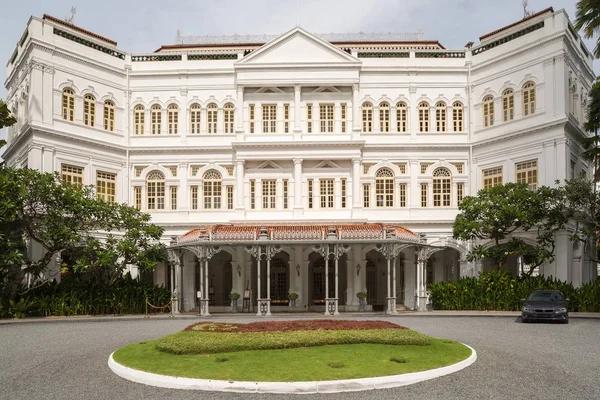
x: 546, y: 296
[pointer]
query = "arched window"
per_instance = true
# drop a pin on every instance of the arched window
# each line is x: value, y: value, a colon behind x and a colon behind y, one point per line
x: 211, y: 185
x: 528, y: 98
x: 89, y: 110
x: 211, y: 118
x: 155, y: 119
x: 424, y: 117
x: 109, y: 116
x: 442, y: 187
x: 440, y: 116
x: 367, y: 117
x: 68, y: 104
x: 173, y: 119
x: 508, y: 105
x: 228, y: 118
x: 195, y: 112
x: 155, y: 190
x: 384, y: 188
x: 138, y: 119
x: 384, y: 117
x: 401, y: 117
x: 457, y: 116
x: 488, y: 111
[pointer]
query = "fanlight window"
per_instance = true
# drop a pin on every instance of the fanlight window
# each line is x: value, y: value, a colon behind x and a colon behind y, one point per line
x: 155, y: 119
x: 384, y: 117
x: 367, y: 117
x: 195, y: 112
x: 155, y: 190
x: 109, y: 116
x: 212, y: 190
x: 508, y: 105
x: 457, y: 116
x: 528, y: 98
x: 211, y: 118
x: 384, y: 188
x: 173, y: 118
x: 442, y: 187
x: 440, y: 116
x: 68, y: 104
x: 488, y: 111
x: 402, y: 117
x: 89, y: 110
x: 228, y: 118
x: 424, y: 117
x: 138, y: 119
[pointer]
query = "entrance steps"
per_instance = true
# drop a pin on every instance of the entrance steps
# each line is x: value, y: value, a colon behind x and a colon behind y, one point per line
x: 401, y: 307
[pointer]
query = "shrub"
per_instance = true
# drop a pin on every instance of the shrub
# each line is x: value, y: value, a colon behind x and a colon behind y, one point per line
x: 284, y: 326
x: 234, y: 296
x: 187, y: 342
x: 498, y: 290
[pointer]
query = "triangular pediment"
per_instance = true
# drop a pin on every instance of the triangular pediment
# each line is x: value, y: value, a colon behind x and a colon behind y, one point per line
x: 297, y: 47
x: 269, y: 165
x: 327, y: 164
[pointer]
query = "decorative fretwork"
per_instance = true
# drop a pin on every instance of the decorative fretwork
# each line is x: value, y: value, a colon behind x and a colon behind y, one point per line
x: 212, y: 174
x: 203, y: 56
x: 139, y: 169
x: 508, y: 38
x: 156, y: 176
x: 89, y: 43
x: 380, y: 54
x: 459, y: 167
x: 401, y: 167
x: 366, y: 168
x: 440, y: 54
x: 384, y: 173
x: 424, y: 167
x: 156, y: 57
x: 173, y: 170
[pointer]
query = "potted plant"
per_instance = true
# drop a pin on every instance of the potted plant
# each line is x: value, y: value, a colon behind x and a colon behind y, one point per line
x: 362, y: 296
x: 293, y: 297
x: 234, y: 298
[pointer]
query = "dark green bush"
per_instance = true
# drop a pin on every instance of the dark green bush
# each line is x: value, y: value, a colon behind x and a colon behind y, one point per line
x: 498, y: 290
x: 188, y: 342
x: 88, y: 297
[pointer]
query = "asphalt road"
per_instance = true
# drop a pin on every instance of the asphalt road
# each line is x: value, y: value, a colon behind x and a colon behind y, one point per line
x: 515, y: 361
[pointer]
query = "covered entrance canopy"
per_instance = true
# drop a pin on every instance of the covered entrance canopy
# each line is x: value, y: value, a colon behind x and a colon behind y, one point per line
x: 329, y: 241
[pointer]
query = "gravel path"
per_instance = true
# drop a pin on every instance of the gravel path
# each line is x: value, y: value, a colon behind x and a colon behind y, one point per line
x: 515, y: 361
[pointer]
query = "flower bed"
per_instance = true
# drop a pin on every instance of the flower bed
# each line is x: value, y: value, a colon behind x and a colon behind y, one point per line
x: 286, y: 326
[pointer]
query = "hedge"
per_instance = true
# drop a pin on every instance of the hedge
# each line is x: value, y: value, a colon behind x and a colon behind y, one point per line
x: 190, y: 342
x: 498, y: 290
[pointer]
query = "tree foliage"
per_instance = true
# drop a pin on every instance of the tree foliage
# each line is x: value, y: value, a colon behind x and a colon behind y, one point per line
x: 495, y: 215
x: 102, y: 237
x: 587, y: 19
x: 6, y: 118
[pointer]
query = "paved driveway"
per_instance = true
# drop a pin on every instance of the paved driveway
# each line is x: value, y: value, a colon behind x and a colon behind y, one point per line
x: 515, y: 361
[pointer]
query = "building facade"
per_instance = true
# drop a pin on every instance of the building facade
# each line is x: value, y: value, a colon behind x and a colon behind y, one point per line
x: 266, y: 151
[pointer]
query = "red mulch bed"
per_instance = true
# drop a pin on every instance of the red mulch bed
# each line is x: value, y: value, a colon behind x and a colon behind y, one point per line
x: 300, y: 325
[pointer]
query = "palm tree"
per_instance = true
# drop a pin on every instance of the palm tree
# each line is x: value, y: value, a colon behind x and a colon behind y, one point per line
x: 588, y: 20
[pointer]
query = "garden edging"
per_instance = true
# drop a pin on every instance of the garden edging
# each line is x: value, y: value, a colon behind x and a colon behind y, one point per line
x: 348, y: 385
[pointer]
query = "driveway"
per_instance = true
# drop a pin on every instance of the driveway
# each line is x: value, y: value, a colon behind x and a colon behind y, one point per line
x: 515, y: 361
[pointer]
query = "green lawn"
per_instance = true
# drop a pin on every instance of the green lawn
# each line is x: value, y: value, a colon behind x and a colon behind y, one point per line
x: 345, y: 361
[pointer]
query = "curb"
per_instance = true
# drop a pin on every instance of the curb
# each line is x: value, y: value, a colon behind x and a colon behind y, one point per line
x: 348, y: 385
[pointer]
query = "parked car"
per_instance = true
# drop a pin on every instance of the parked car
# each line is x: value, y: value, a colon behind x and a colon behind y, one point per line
x: 545, y: 305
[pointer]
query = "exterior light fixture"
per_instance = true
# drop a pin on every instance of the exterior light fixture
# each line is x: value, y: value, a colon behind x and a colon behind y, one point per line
x: 239, y: 270
x: 357, y: 269
x: 298, y: 269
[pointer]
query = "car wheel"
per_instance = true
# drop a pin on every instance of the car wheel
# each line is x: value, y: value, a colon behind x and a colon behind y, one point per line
x: 566, y: 321
x: 524, y: 321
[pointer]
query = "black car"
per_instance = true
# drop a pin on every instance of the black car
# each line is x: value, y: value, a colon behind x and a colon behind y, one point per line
x: 547, y: 305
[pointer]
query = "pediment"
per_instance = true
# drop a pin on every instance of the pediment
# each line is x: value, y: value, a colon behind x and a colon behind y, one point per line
x: 269, y: 165
x: 327, y: 164
x: 297, y: 47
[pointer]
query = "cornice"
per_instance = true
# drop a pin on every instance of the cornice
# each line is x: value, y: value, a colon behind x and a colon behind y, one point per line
x: 521, y: 132
x: 299, y: 66
x: 413, y: 146
x: 358, y: 144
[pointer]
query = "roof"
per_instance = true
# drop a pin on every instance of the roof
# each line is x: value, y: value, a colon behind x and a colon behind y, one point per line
x: 75, y: 27
x: 292, y: 232
x: 537, y: 14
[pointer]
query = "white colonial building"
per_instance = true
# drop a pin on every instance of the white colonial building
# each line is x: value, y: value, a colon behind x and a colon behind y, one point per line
x: 305, y: 153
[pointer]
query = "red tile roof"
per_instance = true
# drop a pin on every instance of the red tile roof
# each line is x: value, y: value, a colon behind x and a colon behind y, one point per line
x: 244, y: 232
x: 75, y: 27
x: 537, y: 14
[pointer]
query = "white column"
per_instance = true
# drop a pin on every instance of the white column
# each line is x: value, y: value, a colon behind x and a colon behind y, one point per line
x: 258, y: 119
x: 279, y: 117
x: 258, y: 194
x: 239, y: 117
x: 220, y: 120
x: 279, y: 194
x: 326, y: 279
x: 297, y: 104
x: 337, y: 285
x: 258, y: 293
x: 337, y: 116
x: 394, y: 271
x: 203, y: 125
x: 337, y: 191
x: 389, y: 279
x: 316, y: 118
x: 298, y: 183
x: 356, y: 203
x: 239, y: 183
x: 355, y: 108
x: 376, y: 119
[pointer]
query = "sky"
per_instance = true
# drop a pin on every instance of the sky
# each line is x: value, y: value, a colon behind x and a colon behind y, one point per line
x: 144, y: 26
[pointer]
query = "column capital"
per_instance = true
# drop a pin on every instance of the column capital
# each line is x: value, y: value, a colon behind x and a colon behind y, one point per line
x: 355, y: 87
x: 240, y: 163
x: 240, y: 88
x: 297, y: 87
x: 298, y: 161
x: 356, y: 160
